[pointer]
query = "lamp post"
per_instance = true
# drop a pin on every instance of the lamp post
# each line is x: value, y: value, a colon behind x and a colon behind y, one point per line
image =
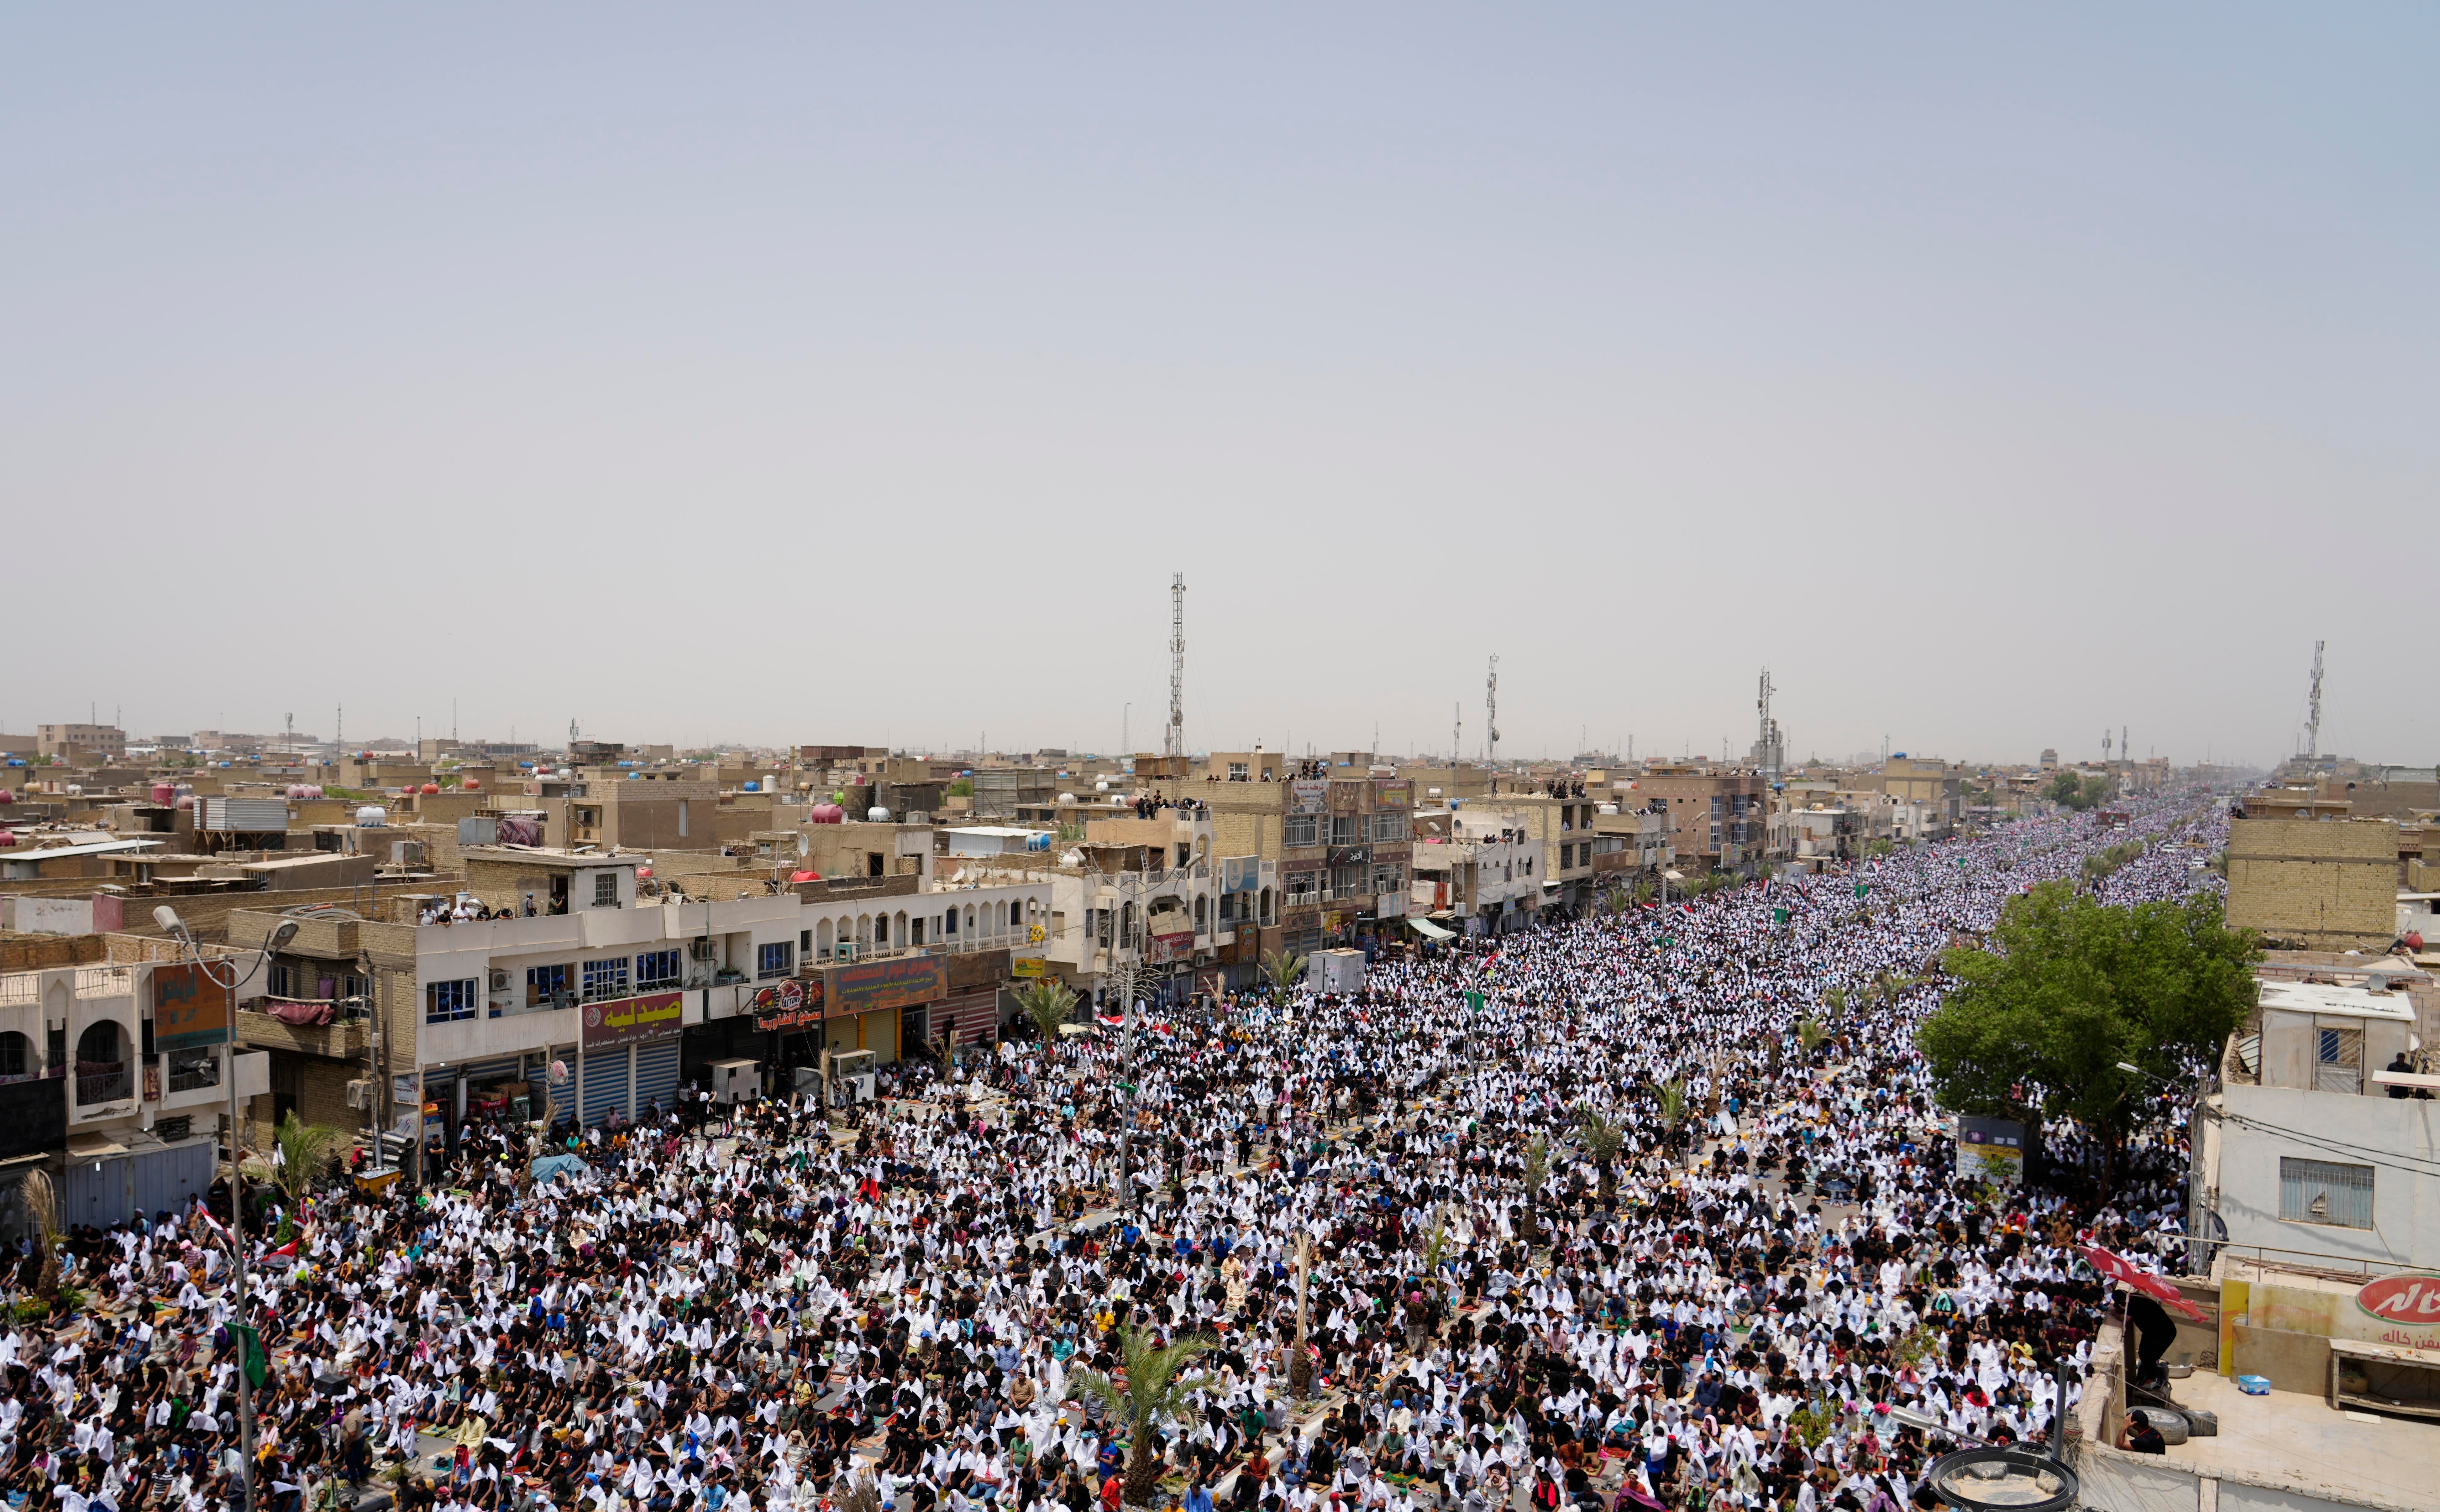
x: 167, y: 918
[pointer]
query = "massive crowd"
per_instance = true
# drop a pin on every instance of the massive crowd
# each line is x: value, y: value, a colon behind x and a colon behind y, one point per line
x: 730, y: 1311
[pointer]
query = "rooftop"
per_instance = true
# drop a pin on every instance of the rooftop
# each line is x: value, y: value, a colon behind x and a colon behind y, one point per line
x: 2335, y: 1001
x: 2294, y: 1441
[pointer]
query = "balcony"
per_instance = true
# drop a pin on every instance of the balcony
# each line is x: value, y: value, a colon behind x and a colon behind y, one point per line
x: 347, y: 1034
x: 101, y: 1081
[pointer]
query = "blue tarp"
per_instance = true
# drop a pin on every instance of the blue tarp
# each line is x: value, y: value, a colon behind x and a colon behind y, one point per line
x: 551, y: 1166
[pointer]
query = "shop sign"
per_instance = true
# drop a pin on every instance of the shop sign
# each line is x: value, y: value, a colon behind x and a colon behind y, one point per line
x: 1162, y: 949
x: 1308, y: 794
x: 2413, y: 1298
x: 189, y: 1010
x: 787, y: 1005
x: 1029, y: 966
x: 632, y: 1020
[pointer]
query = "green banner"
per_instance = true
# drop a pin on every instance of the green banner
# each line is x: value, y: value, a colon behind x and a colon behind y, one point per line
x: 257, y: 1368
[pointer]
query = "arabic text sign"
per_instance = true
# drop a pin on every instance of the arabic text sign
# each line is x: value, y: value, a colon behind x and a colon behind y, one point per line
x: 630, y: 1020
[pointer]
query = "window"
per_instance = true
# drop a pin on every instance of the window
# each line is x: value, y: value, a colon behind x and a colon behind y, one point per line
x: 604, y: 980
x: 1567, y: 856
x: 1346, y: 880
x: 544, y: 983
x: 1301, y: 885
x: 448, y: 1002
x: 1302, y: 830
x: 192, y: 1069
x: 1346, y: 830
x: 1390, y: 827
x: 656, y: 970
x: 779, y: 958
x: 1237, y: 772
x: 283, y: 980
x: 605, y: 889
x: 16, y: 1053
x: 2320, y: 1191
x: 2339, y: 1060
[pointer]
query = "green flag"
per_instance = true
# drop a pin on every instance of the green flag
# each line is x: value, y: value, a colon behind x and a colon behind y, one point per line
x: 256, y: 1369
x: 1779, y: 915
x: 1474, y: 1001
x: 1861, y: 888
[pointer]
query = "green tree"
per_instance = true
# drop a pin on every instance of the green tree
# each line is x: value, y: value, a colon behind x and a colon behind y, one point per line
x: 2036, y: 1028
x: 304, y: 1152
x: 1283, y: 969
x: 962, y: 788
x: 1047, y: 1002
x: 1156, y: 1388
x: 1537, y: 1170
x: 1603, y: 1136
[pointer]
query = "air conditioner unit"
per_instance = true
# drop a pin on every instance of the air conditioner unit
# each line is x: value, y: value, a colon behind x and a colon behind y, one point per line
x: 499, y: 980
x: 700, y: 950
x: 360, y: 1093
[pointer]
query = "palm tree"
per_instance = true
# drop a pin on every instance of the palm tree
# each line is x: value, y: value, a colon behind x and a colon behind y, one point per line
x: 1616, y: 901
x: 1156, y: 1388
x: 1603, y: 1136
x: 1809, y: 1033
x: 43, y: 1206
x: 1283, y: 969
x: 304, y: 1151
x: 1047, y: 1001
x: 1672, y: 1100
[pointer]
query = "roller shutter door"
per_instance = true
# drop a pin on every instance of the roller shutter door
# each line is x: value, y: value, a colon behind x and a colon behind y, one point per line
x: 656, y: 1075
x: 169, y: 1181
x: 606, y: 1084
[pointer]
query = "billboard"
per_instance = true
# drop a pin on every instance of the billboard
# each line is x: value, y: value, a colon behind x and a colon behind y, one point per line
x: 903, y: 983
x: 1240, y: 874
x: 631, y: 1021
x: 1993, y: 1148
x: 189, y: 1010
x: 1308, y: 794
x: 788, y: 1005
x: 1162, y: 949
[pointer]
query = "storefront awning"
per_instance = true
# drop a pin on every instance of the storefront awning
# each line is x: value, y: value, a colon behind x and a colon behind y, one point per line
x: 1428, y: 930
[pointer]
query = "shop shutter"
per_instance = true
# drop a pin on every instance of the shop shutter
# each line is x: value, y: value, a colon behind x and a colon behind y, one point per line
x: 656, y: 1075
x: 606, y: 1083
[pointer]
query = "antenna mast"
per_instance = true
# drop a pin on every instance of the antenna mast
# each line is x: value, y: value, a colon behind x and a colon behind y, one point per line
x: 1490, y: 712
x: 1770, y: 747
x: 2313, y: 708
x: 1457, y: 728
x: 1174, y: 741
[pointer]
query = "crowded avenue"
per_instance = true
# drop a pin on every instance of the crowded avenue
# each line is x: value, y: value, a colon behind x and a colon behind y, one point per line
x: 1647, y: 1208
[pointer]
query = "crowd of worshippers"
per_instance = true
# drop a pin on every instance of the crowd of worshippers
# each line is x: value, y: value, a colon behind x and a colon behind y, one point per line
x: 924, y: 1302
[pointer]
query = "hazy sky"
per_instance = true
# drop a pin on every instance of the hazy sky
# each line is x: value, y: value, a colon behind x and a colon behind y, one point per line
x: 744, y: 374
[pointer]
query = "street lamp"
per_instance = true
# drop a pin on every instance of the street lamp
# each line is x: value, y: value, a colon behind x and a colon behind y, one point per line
x: 167, y: 918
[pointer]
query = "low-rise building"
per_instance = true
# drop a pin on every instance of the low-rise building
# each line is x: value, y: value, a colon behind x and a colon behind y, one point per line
x: 2326, y: 884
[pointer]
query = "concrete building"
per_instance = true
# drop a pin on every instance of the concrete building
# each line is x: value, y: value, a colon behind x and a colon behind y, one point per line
x: 114, y: 1058
x: 80, y: 742
x: 1932, y: 784
x: 377, y: 1018
x: 2314, y: 883
x: 1718, y: 819
x: 2313, y: 1146
x: 1558, y: 821
x: 1474, y: 873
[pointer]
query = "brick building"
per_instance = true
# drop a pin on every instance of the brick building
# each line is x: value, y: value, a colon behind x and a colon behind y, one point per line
x: 2322, y: 884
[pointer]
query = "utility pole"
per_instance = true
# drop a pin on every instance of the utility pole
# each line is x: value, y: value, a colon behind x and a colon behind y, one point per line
x: 1457, y: 731
x: 1174, y: 741
x: 2313, y: 706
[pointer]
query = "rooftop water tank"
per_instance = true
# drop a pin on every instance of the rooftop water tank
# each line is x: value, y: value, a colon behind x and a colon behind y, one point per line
x: 371, y: 815
x: 877, y: 815
x: 1103, y: 786
x: 431, y: 788
x: 1067, y: 798
x: 750, y: 785
x: 163, y: 792
x: 827, y: 814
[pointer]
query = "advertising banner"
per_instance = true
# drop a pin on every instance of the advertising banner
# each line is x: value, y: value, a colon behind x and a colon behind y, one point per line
x: 873, y: 985
x: 189, y: 1010
x: 1308, y: 794
x: 1993, y: 1148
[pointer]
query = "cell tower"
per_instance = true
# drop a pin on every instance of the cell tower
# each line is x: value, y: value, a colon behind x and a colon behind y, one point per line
x: 2313, y: 708
x: 2104, y: 746
x: 1172, y: 742
x: 1457, y: 729
x: 1770, y: 746
x: 1491, y: 713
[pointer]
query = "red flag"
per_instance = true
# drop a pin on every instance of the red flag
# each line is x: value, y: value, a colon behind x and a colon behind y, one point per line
x: 2156, y: 1287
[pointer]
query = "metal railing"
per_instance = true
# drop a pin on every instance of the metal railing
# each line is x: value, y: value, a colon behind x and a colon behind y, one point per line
x: 195, y: 1078
x: 106, y: 1082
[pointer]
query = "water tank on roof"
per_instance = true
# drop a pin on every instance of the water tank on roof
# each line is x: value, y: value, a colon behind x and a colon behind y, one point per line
x: 163, y: 792
x: 827, y: 814
x: 74, y: 788
x: 1606, y: 807
x: 431, y: 788
x: 1431, y: 793
x: 1065, y: 800
x: 373, y: 815
x: 750, y: 785
x: 1037, y: 842
x: 1103, y: 786
x: 877, y: 815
